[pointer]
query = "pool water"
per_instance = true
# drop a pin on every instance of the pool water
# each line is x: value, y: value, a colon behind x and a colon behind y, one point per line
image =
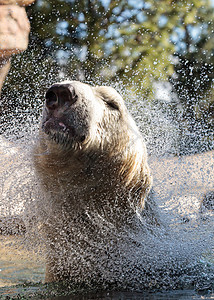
x: 41, y: 291
x: 22, y: 276
x: 19, y: 264
x: 185, y: 234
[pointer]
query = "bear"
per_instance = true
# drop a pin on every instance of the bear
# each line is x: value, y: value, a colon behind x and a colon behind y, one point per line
x: 91, y: 163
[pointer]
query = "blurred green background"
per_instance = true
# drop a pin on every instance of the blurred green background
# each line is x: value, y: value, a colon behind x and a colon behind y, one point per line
x: 161, y: 51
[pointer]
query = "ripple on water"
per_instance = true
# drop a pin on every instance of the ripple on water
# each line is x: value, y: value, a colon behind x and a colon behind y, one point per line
x: 185, y: 235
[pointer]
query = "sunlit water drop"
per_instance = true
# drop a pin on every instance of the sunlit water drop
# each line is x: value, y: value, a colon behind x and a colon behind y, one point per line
x: 176, y: 254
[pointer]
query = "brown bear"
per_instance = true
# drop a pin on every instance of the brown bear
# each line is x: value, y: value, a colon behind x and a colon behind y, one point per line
x: 91, y: 161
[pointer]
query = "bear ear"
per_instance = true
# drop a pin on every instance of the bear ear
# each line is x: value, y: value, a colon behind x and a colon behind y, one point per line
x: 110, y: 96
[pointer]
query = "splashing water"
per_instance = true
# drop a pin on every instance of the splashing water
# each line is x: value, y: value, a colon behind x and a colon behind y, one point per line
x: 178, y: 253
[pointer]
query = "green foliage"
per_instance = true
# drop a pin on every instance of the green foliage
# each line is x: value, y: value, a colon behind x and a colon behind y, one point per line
x: 115, y: 42
x: 121, y: 41
x: 194, y: 77
x: 79, y: 29
x: 128, y: 41
x: 118, y: 41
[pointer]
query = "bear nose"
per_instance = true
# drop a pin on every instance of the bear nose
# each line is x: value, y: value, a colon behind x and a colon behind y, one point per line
x: 58, y: 95
x: 51, y: 100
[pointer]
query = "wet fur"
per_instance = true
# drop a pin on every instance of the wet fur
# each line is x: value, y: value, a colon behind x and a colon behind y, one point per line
x: 98, y: 165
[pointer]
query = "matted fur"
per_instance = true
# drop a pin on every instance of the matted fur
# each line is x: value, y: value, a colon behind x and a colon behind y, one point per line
x: 90, y: 157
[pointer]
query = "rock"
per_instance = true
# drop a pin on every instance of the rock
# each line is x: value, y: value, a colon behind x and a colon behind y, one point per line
x: 14, y: 30
x: 16, y: 2
x: 4, y: 68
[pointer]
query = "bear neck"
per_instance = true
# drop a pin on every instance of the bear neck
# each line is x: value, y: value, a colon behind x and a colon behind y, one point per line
x: 87, y: 182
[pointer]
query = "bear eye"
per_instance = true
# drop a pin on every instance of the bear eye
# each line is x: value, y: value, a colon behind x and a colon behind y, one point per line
x: 112, y: 105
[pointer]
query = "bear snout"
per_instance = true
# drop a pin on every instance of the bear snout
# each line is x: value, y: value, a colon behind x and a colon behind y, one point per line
x: 59, y: 95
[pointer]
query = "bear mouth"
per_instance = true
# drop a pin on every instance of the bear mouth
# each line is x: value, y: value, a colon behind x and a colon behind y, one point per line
x: 60, y: 138
x: 62, y: 135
